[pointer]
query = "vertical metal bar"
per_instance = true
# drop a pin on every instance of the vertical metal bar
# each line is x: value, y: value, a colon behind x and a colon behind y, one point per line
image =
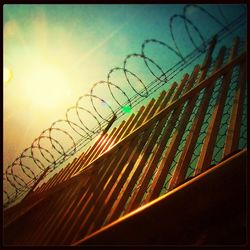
x: 46, y: 216
x: 51, y: 218
x: 114, y: 187
x: 61, y: 175
x: 77, y: 210
x: 68, y: 171
x: 76, y: 192
x: 139, y: 120
x: 120, y: 202
x: 139, y: 165
x: 79, y: 160
x: 207, y: 149
x: 119, y: 177
x: 166, y: 162
x: 73, y: 214
x: 187, y: 152
x: 118, y: 133
x: 150, y: 168
x: 65, y: 172
x: 83, y: 157
x: 167, y: 97
x: 127, y: 130
x: 116, y: 137
x: 54, y: 181
x: 71, y: 170
x: 105, y: 174
x: 113, y: 137
x: 38, y: 189
x: 69, y: 194
x: 112, y: 195
x: 128, y: 127
x: 162, y: 171
x: 37, y: 182
x: 99, y: 149
x: 155, y: 107
x: 99, y: 142
x: 92, y: 149
x: 44, y: 186
x: 96, y: 189
x: 233, y: 131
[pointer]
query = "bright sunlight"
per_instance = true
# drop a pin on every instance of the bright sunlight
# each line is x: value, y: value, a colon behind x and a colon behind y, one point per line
x: 46, y: 85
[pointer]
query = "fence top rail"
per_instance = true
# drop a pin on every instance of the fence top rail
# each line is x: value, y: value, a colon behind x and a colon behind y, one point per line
x: 203, y: 84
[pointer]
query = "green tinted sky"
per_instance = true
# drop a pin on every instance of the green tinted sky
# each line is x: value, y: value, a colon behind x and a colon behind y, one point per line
x: 82, y: 43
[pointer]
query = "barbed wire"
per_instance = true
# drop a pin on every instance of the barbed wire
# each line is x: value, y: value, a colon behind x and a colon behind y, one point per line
x: 65, y: 137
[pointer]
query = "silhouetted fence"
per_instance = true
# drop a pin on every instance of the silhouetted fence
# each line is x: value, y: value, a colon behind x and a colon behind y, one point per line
x: 185, y: 131
x: 92, y: 112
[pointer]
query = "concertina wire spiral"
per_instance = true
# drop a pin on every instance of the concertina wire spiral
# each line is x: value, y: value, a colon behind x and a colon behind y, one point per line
x: 20, y: 176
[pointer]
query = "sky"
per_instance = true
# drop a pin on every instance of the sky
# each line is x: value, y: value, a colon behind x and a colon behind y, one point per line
x: 53, y: 54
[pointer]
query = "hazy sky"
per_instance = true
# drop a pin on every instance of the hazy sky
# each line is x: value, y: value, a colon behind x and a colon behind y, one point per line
x: 57, y: 52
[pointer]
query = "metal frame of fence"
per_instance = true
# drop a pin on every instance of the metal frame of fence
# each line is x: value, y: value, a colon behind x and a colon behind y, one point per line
x: 174, y: 137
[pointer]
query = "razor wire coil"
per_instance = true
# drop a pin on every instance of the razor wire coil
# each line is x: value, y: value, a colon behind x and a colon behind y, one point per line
x: 20, y: 175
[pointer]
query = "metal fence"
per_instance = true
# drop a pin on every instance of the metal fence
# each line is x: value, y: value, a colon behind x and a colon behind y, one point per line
x: 69, y: 136
x: 188, y: 129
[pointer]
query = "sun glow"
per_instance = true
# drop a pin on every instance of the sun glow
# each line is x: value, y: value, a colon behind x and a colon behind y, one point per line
x: 46, y: 86
x: 7, y: 75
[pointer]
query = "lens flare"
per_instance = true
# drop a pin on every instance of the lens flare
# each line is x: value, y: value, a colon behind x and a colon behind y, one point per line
x: 7, y: 75
x: 126, y: 109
